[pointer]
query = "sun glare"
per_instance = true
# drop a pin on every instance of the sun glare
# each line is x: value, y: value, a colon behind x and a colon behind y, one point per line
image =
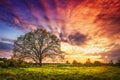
x: 81, y: 53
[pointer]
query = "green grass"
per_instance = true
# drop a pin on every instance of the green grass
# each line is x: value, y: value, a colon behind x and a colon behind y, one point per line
x: 61, y: 73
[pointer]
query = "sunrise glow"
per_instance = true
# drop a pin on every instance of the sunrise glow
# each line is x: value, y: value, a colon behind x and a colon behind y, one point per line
x: 86, y: 28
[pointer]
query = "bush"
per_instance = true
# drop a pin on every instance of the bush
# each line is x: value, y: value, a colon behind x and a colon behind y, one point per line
x: 74, y: 62
x: 1, y: 63
x: 97, y: 63
x: 5, y: 63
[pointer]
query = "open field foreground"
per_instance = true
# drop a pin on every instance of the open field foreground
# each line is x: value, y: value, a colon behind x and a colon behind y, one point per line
x: 61, y: 73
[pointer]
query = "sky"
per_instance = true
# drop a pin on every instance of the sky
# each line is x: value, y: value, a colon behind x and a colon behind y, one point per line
x: 86, y: 28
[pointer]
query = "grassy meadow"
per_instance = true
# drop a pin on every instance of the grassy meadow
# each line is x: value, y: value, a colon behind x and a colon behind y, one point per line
x: 55, y: 72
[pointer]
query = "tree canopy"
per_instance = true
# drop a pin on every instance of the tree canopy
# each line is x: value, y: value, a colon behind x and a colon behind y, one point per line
x: 36, y: 45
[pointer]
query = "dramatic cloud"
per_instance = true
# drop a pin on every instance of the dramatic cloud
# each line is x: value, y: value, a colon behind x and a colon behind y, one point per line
x: 5, y: 46
x: 77, y: 38
x: 6, y: 40
x: 85, y: 27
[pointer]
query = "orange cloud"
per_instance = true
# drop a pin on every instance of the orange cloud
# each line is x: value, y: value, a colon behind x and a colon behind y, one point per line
x: 84, y: 26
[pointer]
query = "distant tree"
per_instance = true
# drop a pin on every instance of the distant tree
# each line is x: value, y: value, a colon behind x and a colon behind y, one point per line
x: 118, y: 62
x: 36, y: 45
x: 97, y: 63
x: 111, y: 62
x: 74, y: 62
x: 3, y: 62
x: 88, y: 61
x: 67, y: 62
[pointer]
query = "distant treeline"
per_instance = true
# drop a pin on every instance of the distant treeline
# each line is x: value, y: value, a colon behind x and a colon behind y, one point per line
x: 6, y: 63
x: 95, y: 63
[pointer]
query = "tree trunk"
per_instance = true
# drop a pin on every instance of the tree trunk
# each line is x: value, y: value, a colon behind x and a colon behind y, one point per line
x: 40, y: 64
x: 40, y: 61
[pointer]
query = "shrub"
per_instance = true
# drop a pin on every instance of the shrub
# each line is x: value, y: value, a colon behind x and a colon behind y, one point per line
x: 74, y: 62
x: 5, y: 63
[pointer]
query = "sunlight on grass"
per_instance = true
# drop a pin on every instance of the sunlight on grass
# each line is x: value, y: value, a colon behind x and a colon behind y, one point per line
x: 68, y: 70
x: 61, y: 73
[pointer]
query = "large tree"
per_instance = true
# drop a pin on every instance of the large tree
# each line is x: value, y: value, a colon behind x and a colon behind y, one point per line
x: 36, y: 45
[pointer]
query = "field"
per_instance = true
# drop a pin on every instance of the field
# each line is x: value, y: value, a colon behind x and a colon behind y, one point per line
x: 61, y: 73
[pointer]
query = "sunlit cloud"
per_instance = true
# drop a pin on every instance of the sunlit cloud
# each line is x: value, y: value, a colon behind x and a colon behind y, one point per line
x: 86, y: 28
x: 5, y: 54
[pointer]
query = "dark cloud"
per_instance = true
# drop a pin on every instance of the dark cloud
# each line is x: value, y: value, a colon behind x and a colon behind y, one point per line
x: 7, y: 40
x: 115, y: 53
x: 63, y: 37
x: 77, y: 38
x: 5, y: 46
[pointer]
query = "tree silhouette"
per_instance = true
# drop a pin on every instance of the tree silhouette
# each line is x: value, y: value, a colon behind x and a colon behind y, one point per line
x: 67, y: 62
x: 36, y: 45
x: 111, y: 62
x: 88, y: 61
x: 118, y: 62
x: 97, y: 63
x: 74, y: 62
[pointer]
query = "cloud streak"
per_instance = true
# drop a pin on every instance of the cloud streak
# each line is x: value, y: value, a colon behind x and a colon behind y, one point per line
x: 90, y: 25
x: 6, y: 46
